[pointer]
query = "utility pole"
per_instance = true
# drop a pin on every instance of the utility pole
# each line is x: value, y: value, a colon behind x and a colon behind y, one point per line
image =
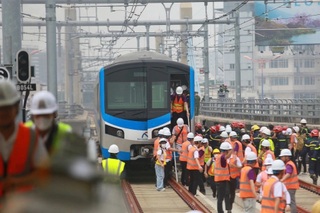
x: 206, y: 58
x: 237, y: 57
x: 11, y: 32
x: 51, y: 47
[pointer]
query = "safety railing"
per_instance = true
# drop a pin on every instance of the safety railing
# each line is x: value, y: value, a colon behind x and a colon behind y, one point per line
x: 269, y: 110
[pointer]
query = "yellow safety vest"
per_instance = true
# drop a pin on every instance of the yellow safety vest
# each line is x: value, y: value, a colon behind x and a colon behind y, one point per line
x: 113, y: 166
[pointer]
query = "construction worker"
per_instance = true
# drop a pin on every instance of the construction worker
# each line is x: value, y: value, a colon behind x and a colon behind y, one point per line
x: 264, y: 175
x: 247, y: 187
x: 209, y: 172
x: 275, y: 197
x: 290, y: 179
x: 224, y: 136
x: 193, y: 165
x: 279, y: 139
x: 179, y: 107
x: 255, y: 135
x: 312, y: 148
x: 184, y: 157
x: 265, y: 153
x: 222, y: 177
x: 43, y: 112
x: 266, y: 135
x: 19, y: 156
x: 249, y: 147
x: 112, y: 165
x: 179, y: 133
x: 236, y: 145
x: 160, y: 164
x: 156, y: 143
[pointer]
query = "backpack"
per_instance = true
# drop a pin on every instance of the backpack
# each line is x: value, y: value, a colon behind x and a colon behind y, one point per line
x: 300, y: 143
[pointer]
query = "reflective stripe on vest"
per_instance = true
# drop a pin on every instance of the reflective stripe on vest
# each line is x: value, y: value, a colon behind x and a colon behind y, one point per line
x: 268, y: 200
x: 293, y: 181
x: 191, y: 162
x: 183, y: 135
x: 221, y: 173
x: 178, y: 105
x: 234, y: 170
x: 184, y: 151
x: 113, y: 166
x: 245, y: 188
x: 20, y: 159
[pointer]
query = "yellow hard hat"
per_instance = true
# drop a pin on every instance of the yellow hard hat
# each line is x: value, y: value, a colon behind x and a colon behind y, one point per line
x: 255, y: 127
x: 216, y: 151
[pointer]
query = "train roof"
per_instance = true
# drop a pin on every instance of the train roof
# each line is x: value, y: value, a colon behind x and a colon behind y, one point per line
x: 141, y: 56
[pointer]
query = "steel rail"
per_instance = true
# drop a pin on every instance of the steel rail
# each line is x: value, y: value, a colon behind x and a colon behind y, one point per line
x: 187, y: 197
x: 131, y: 199
x: 310, y: 187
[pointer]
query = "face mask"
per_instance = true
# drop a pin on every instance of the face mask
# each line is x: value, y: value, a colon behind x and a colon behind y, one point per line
x: 163, y: 146
x: 43, y: 123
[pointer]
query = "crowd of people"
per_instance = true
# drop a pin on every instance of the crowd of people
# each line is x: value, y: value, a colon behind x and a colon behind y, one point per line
x: 260, y: 162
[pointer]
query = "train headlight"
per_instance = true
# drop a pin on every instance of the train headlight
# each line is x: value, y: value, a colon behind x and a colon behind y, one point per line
x: 120, y: 133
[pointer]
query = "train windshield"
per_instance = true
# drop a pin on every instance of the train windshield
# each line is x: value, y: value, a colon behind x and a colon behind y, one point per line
x: 136, y: 93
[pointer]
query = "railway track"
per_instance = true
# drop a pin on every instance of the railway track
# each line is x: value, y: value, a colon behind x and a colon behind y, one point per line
x: 145, y: 198
x: 306, y: 196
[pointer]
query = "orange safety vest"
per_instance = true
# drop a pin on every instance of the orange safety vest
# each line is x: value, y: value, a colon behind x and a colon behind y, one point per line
x: 245, y: 188
x: 183, y: 135
x: 191, y: 162
x: 240, y: 150
x: 20, y: 162
x: 156, y: 146
x: 201, y: 159
x: 292, y: 182
x: 207, y: 154
x: 221, y: 173
x: 184, y: 151
x: 234, y: 170
x: 268, y: 200
x: 265, y: 156
x: 177, y: 105
x: 168, y: 155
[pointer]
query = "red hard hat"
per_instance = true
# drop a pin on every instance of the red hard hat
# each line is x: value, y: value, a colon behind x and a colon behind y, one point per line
x: 235, y: 124
x: 277, y: 129
x: 241, y: 125
x: 314, y: 133
x: 213, y: 129
x: 198, y: 125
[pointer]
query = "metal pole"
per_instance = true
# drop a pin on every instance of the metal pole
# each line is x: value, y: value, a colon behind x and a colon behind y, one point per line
x: 261, y: 63
x: 51, y: 47
x: 138, y: 43
x: 148, y: 36
x: 237, y: 57
x: 11, y: 32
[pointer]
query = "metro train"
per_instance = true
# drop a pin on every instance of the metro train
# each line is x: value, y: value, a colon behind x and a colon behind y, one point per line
x: 132, y: 101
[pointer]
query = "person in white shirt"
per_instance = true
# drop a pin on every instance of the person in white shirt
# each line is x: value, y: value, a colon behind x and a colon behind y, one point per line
x: 160, y: 163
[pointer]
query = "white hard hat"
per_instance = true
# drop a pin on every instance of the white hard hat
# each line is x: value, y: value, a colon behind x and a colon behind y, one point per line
x: 265, y: 143
x: 251, y: 156
x: 190, y: 135
x: 184, y: 87
x: 197, y: 138
x: 160, y: 132
x: 222, y: 128
x: 228, y: 128
x: 289, y: 131
x: 285, y: 152
x: 233, y: 134
x: 224, y: 134
x: 204, y: 140
x: 163, y: 140
x: 303, y: 121
x: 278, y: 165
x: 165, y: 129
x: 179, y: 90
x: 166, y: 132
x: 8, y: 93
x: 266, y: 131
x: 269, y: 171
x: 42, y: 103
x: 180, y: 122
x: 225, y: 146
x: 245, y: 137
x: 114, y: 149
x: 268, y: 161
x: 262, y: 128
x: 296, y: 129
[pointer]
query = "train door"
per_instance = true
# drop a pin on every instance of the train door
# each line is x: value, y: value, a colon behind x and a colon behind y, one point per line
x: 158, y: 96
